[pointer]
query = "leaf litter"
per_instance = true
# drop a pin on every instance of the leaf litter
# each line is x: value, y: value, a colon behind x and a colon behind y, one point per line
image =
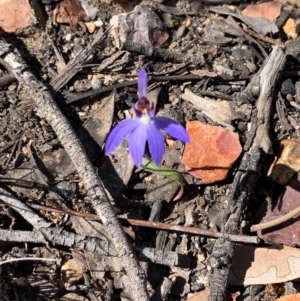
x: 214, y: 85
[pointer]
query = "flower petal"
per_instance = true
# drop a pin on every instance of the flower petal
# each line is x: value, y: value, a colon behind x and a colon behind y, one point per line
x: 119, y: 133
x: 151, y: 111
x: 137, y: 142
x: 173, y: 128
x: 156, y: 143
x: 142, y: 83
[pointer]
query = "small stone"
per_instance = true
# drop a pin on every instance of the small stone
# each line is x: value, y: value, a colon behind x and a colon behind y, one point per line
x: 223, y: 70
x: 291, y: 28
x: 96, y: 83
x: 98, y: 23
x: 188, y: 23
x: 70, y: 12
x: 251, y: 67
x: 238, y: 53
x: 68, y: 37
x: 101, y: 15
x: 91, y: 26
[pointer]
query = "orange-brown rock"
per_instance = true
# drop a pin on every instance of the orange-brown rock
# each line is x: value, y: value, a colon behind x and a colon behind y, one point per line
x: 16, y: 15
x: 269, y: 10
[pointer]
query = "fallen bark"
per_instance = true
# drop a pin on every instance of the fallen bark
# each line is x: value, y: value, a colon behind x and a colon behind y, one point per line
x: 47, y: 107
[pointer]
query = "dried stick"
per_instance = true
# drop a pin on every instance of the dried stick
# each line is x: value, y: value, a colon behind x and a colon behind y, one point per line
x: 263, y: 38
x: 158, y: 225
x: 268, y: 77
x: 51, y: 112
x: 26, y: 259
x: 72, y: 97
x: 276, y: 221
x: 91, y: 244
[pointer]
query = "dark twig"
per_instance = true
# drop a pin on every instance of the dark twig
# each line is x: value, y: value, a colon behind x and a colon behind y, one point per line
x: 263, y: 38
x: 154, y: 52
x: 72, y: 97
x: 247, y: 174
x: 158, y: 225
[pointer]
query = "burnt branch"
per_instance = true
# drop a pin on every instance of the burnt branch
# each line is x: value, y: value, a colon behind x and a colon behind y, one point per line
x: 248, y: 172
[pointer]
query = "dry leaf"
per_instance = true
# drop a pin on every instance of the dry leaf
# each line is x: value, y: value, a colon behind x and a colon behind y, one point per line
x: 99, y: 124
x: 260, y: 25
x: 255, y: 266
x: 99, y: 264
x: 291, y: 28
x: 288, y: 163
x: 287, y: 233
x: 95, y: 129
x: 211, y: 152
x: 269, y: 10
x: 116, y: 176
x: 58, y: 163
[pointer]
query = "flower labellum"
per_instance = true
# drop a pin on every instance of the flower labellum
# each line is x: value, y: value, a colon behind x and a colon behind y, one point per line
x: 145, y: 127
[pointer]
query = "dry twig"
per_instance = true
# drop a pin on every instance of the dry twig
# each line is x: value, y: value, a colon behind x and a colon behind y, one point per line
x: 26, y: 259
x: 48, y: 108
x: 158, y: 225
x: 276, y: 221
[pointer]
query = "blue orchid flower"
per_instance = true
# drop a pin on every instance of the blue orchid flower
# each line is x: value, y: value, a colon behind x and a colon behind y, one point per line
x: 145, y: 127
